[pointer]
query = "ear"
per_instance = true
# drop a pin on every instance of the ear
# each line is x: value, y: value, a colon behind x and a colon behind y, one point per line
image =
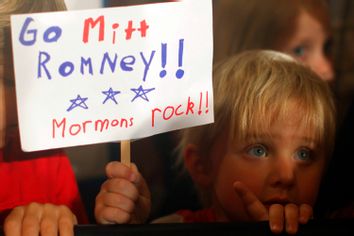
x: 197, y: 165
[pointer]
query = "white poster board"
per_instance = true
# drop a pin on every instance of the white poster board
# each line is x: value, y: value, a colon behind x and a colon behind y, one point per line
x: 111, y: 74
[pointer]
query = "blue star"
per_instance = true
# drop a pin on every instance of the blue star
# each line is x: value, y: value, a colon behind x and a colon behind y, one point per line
x: 110, y: 95
x: 78, y: 102
x: 140, y: 92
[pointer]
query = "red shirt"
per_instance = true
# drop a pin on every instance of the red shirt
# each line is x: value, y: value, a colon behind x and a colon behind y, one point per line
x: 201, y: 216
x: 43, y: 177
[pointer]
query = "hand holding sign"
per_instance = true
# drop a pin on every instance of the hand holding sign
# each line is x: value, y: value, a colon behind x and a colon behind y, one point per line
x: 112, y: 74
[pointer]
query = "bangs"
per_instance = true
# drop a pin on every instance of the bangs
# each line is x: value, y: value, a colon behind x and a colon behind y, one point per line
x: 255, y: 89
x: 257, y: 121
x: 278, y: 91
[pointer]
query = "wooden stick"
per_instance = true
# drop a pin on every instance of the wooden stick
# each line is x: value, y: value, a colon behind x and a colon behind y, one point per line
x: 125, y: 152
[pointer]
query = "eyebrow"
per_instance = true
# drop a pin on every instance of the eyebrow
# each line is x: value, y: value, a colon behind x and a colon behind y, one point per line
x: 306, y: 139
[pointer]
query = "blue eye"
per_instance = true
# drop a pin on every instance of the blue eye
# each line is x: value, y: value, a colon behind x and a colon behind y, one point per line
x: 299, y: 51
x: 304, y: 154
x: 257, y: 151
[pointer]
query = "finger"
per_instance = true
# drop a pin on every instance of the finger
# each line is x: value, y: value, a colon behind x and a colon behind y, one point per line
x: 306, y: 213
x: 122, y: 187
x: 117, y: 169
x: 48, y: 226
x: 276, y: 218
x: 292, y: 218
x: 254, y: 207
x: 13, y: 222
x: 66, y: 221
x: 118, y: 201
x: 100, y: 218
x: 111, y: 215
x: 105, y: 214
x: 32, y: 219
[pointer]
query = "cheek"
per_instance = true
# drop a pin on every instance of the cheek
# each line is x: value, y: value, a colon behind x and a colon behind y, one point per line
x: 229, y: 171
x: 250, y: 173
x: 226, y: 175
x: 308, y: 184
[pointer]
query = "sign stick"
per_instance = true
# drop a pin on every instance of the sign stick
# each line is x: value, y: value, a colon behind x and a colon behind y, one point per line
x: 125, y: 152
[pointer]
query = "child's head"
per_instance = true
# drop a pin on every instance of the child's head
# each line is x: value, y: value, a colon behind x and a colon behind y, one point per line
x: 300, y: 28
x: 274, y: 129
x: 8, y: 116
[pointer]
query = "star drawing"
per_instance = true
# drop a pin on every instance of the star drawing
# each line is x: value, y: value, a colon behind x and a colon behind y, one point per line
x: 78, y: 102
x: 110, y: 94
x: 140, y: 92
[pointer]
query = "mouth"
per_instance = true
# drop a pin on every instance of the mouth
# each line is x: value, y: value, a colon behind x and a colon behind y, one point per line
x: 276, y: 200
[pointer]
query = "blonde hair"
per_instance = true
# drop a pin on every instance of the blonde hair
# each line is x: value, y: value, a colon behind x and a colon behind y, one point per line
x: 253, y: 24
x: 9, y: 7
x: 253, y: 89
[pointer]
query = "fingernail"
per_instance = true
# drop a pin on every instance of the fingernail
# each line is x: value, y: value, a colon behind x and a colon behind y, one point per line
x: 291, y: 229
x: 275, y: 228
x: 132, y: 177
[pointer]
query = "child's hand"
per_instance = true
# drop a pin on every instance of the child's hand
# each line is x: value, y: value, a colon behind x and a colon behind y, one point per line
x: 40, y: 219
x: 124, y: 197
x: 280, y: 216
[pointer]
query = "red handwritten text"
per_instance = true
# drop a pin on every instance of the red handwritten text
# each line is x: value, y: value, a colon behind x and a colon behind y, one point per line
x: 100, y: 24
x: 62, y: 128
x: 189, y: 108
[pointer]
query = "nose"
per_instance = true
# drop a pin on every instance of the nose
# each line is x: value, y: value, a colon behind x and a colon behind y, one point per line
x: 283, y: 173
x: 323, y: 67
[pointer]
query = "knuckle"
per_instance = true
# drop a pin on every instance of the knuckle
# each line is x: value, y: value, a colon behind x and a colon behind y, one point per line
x: 46, y: 225
x: 66, y: 221
x: 29, y: 223
x: 119, y: 216
x: 123, y: 217
x: 10, y: 223
x: 118, y: 183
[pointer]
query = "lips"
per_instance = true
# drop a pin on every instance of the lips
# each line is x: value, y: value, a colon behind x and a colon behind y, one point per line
x: 277, y: 200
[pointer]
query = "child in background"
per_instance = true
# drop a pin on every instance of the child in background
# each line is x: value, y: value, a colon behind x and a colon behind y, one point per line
x: 39, y: 193
x: 262, y: 159
x: 299, y: 28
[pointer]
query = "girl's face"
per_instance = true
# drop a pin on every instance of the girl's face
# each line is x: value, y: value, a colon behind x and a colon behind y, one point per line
x: 311, y: 44
x: 283, y: 167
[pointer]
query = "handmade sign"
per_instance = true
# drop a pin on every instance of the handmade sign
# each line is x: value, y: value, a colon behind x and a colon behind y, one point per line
x: 111, y: 74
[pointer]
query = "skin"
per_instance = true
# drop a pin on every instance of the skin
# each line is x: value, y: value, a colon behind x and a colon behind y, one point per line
x: 40, y: 219
x: 286, y: 170
x: 309, y: 44
x: 273, y: 178
x: 124, y: 197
